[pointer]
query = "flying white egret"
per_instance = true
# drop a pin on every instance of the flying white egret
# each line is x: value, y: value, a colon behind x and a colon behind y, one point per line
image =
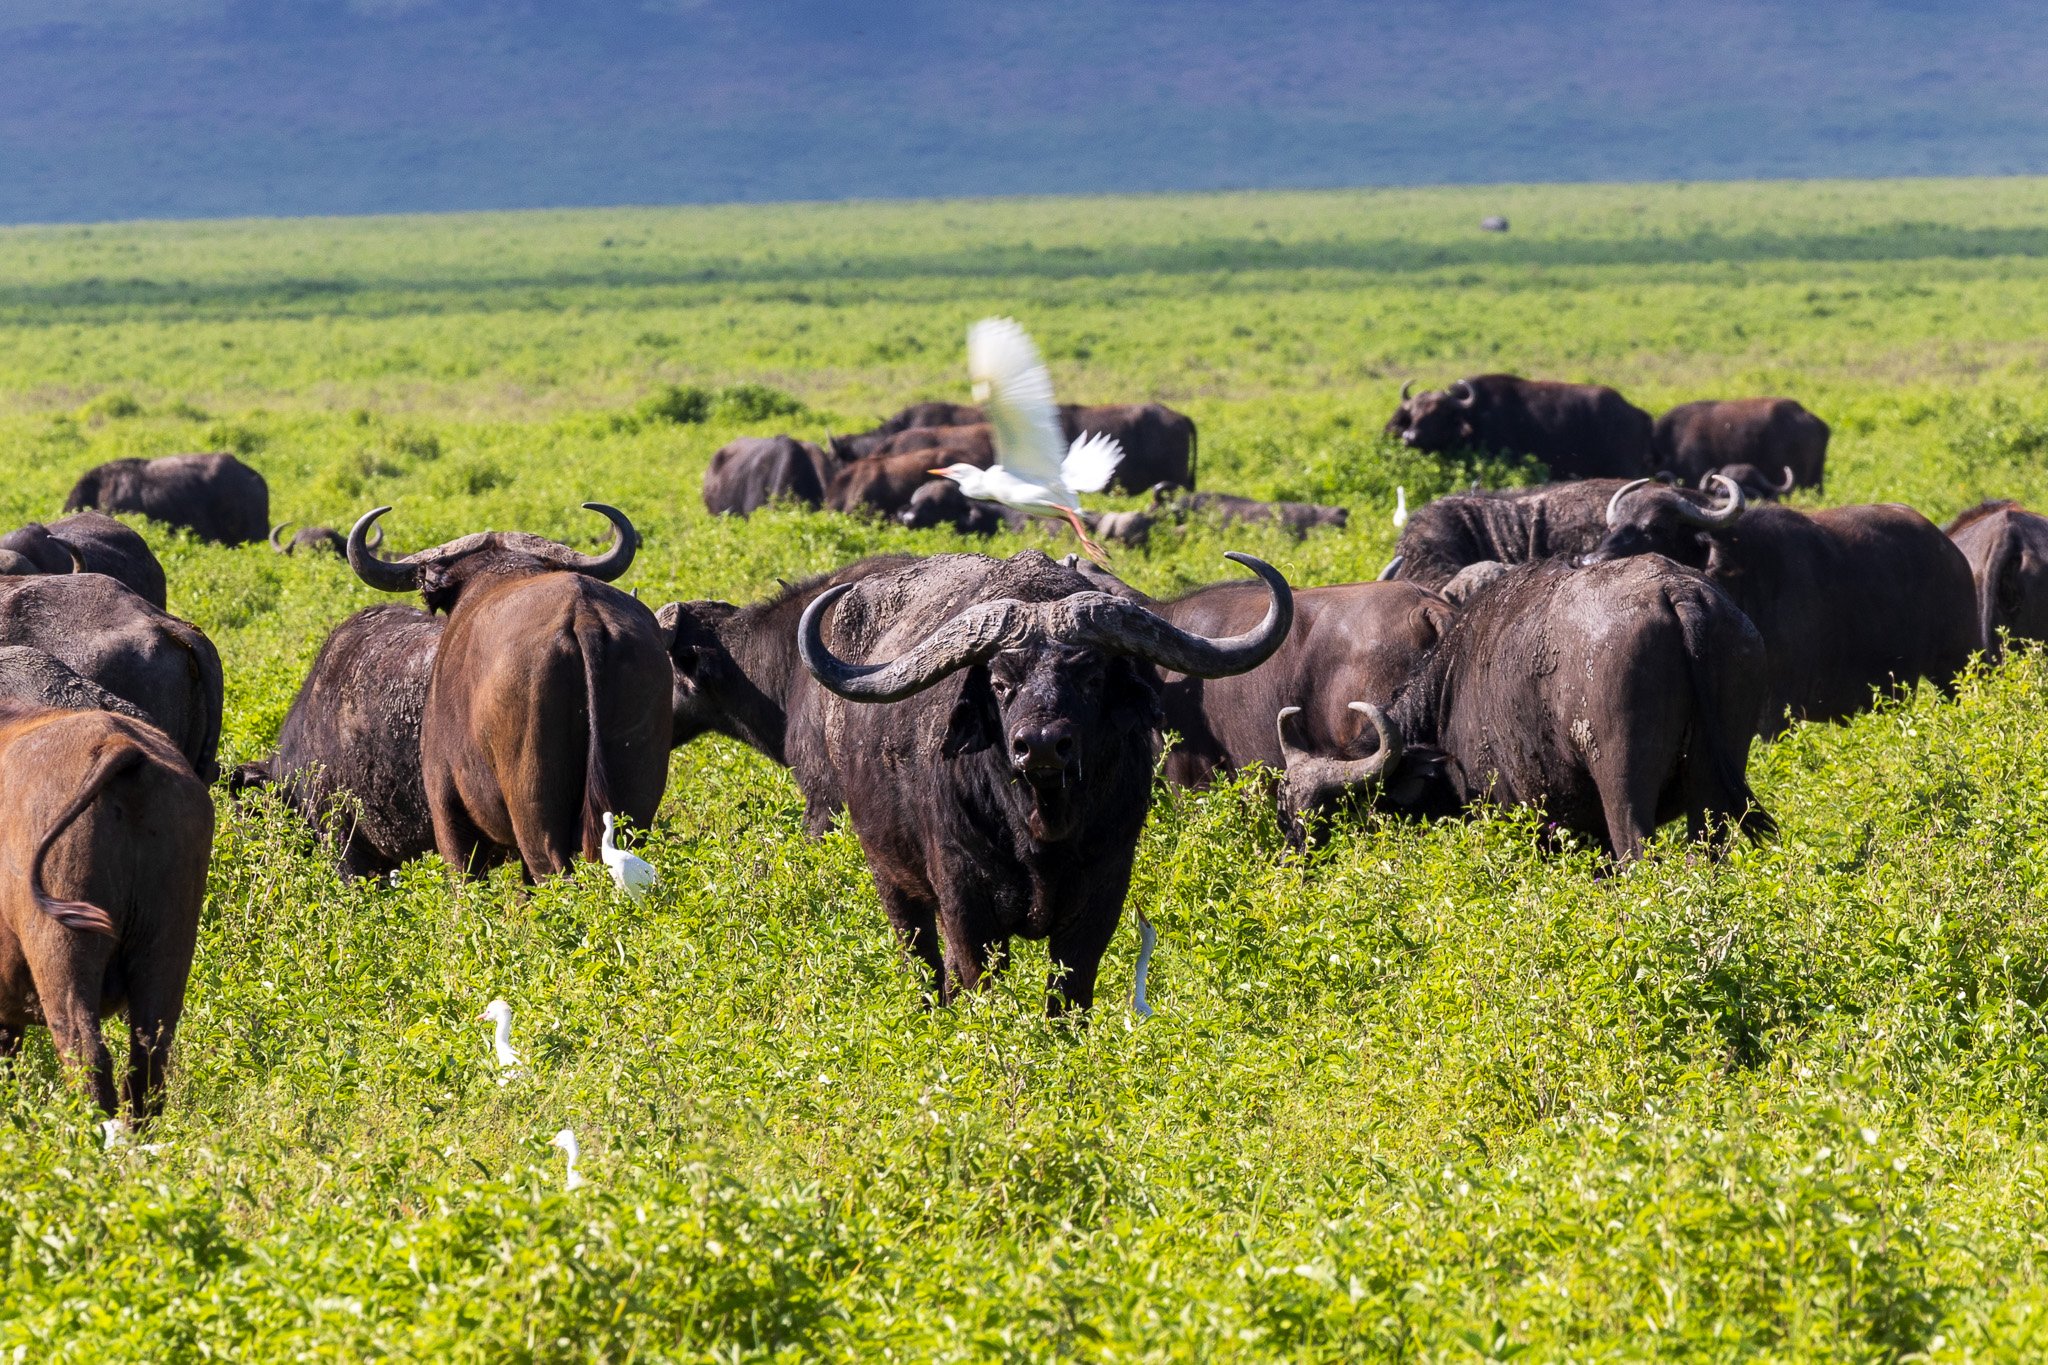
x: 509, y: 1067
x: 1036, y: 471
x: 630, y: 874
x: 1400, y: 507
x: 566, y: 1140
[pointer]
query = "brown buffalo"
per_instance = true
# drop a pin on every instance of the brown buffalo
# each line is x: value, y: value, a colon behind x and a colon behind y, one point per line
x: 105, y: 834
x: 216, y: 497
x: 1694, y: 439
x: 2007, y: 547
x: 750, y: 473
x: 315, y: 540
x: 1160, y: 445
x: 884, y: 485
x: 548, y: 705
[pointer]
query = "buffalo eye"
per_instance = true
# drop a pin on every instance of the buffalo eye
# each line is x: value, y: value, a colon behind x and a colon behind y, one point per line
x: 1002, y: 687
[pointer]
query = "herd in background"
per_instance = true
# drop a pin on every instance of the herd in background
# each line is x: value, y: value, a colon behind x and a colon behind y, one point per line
x: 1605, y: 646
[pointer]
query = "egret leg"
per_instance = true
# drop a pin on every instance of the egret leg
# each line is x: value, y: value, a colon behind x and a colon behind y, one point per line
x: 1147, y: 939
x: 1094, y: 551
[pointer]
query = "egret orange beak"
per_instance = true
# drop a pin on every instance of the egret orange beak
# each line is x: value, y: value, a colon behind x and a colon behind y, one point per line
x: 935, y: 471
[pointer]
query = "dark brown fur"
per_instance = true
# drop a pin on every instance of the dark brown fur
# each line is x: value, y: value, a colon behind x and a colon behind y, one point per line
x: 216, y: 497
x: 1578, y: 431
x: 2007, y: 549
x: 1695, y: 439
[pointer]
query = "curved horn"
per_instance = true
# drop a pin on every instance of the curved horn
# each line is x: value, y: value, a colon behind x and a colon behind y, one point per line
x: 376, y: 539
x: 1388, y: 755
x: 77, y: 559
x: 618, y: 559
x: 1470, y: 397
x: 275, y: 532
x: 381, y: 574
x: 972, y: 637
x: 1393, y: 569
x: 1406, y: 385
x: 1781, y: 489
x: 1716, y: 518
x: 1126, y: 627
x: 1614, y: 503
x: 1312, y: 779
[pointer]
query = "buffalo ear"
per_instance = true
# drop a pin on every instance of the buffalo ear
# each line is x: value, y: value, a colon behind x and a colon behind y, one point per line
x: 1423, y: 766
x: 975, y: 721
x: 1132, y: 699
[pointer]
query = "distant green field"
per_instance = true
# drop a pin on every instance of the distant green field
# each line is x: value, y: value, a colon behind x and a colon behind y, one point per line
x: 1426, y: 1094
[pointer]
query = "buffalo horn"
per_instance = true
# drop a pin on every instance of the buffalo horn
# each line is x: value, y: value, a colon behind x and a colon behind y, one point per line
x: 1467, y: 399
x: 381, y: 574
x: 1092, y: 619
x: 1781, y: 489
x: 276, y: 544
x: 1393, y: 569
x: 1614, y: 503
x: 616, y: 560
x: 1406, y: 385
x: 77, y: 559
x: 1715, y: 518
x: 1309, y: 772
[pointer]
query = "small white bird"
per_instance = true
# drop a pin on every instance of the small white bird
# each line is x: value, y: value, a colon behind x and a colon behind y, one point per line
x: 630, y: 874
x: 566, y: 1140
x: 1036, y: 471
x: 1146, y: 939
x: 116, y: 1136
x: 1400, y: 507
x: 509, y: 1066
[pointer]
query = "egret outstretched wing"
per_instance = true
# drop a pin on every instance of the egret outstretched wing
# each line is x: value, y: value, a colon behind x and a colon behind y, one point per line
x: 1090, y: 462
x: 1010, y: 382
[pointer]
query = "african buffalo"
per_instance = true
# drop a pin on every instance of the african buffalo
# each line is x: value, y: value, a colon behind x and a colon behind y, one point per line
x: 1350, y: 642
x: 1159, y: 444
x: 105, y: 834
x: 216, y: 497
x: 111, y: 637
x: 1756, y: 485
x: 1849, y: 600
x: 92, y: 542
x: 1695, y: 439
x: 30, y: 677
x: 754, y: 471
x: 548, y: 702
x: 1578, y: 431
x: 1295, y: 518
x: 929, y: 413
x: 315, y: 540
x: 1615, y: 697
x: 736, y: 671
x: 885, y: 485
x: 974, y: 443
x: 1511, y: 526
x: 995, y: 755
x: 939, y: 502
x: 2007, y: 548
x: 348, y: 757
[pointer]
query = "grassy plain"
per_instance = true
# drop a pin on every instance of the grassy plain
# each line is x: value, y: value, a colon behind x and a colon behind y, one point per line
x: 1425, y: 1095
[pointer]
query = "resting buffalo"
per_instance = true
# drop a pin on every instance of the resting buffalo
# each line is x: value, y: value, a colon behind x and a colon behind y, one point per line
x: 995, y: 749
x: 1756, y: 484
x: 1296, y: 518
x: 216, y: 497
x: 112, y: 638
x: 548, y: 702
x: 754, y: 471
x: 885, y: 485
x: 1513, y: 526
x: 973, y: 442
x: 1350, y: 642
x: 939, y: 502
x: 1849, y: 600
x: 348, y: 757
x: 1160, y: 445
x: 1578, y: 431
x: 2007, y: 548
x: 105, y: 834
x: 315, y: 540
x: 1615, y: 697
x: 92, y: 542
x: 1695, y: 439
x: 736, y: 671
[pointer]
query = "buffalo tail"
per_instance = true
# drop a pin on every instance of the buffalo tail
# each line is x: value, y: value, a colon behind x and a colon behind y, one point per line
x: 597, y: 783
x: 118, y: 754
x: 1749, y: 814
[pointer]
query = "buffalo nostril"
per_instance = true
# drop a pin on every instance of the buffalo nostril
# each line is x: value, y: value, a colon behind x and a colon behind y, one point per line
x: 1020, y: 746
x: 1064, y: 748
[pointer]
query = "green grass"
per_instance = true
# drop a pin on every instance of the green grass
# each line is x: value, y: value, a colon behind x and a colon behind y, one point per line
x: 1427, y: 1095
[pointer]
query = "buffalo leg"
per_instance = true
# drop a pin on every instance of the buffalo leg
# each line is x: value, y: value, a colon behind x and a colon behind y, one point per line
x: 155, y: 1003
x: 915, y: 918
x: 73, y: 1015
x: 1077, y: 945
x: 1629, y: 800
x: 973, y: 957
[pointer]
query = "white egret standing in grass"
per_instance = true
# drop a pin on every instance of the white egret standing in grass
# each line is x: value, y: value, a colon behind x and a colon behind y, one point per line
x: 630, y: 874
x: 500, y: 1013
x: 566, y: 1140
x: 1400, y: 507
x: 1036, y: 471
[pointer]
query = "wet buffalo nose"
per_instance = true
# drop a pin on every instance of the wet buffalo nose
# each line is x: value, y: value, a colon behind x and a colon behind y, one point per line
x: 1042, y: 746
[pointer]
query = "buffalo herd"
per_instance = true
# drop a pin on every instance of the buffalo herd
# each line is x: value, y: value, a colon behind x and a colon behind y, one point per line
x: 1604, y: 647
